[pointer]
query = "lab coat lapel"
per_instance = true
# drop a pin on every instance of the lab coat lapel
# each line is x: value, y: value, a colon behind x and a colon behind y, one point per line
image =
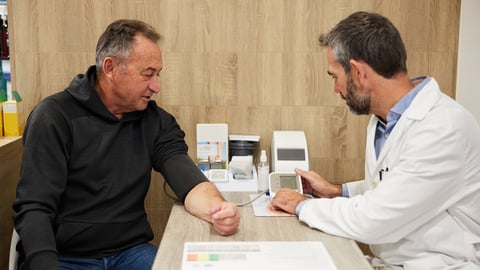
x: 373, y: 165
x: 417, y: 110
x: 370, y: 156
x: 397, y: 132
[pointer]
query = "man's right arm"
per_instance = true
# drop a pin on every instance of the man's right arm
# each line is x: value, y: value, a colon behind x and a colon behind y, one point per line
x: 41, y: 183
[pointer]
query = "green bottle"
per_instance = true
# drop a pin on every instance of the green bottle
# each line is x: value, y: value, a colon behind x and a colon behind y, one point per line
x: 3, y: 84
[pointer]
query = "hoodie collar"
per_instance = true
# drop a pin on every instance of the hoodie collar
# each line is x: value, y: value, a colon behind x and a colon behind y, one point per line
x: 82, y: 88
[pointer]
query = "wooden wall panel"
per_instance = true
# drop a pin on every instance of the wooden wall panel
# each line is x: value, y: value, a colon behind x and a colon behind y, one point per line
x: 254, y: 64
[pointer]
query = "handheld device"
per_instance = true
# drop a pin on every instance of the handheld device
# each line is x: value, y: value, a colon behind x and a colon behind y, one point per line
x: 278, y: 180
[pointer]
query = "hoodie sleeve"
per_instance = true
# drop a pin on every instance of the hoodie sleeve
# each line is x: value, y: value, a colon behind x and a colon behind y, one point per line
x: 171, y: 157
x: 41, y: 183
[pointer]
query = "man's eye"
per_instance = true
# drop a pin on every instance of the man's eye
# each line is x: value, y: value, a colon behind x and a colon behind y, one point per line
x: 148, y: 76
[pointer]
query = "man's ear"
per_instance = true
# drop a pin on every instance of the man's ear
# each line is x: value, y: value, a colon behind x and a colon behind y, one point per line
x: 358, y: 71
x: 108, y: 66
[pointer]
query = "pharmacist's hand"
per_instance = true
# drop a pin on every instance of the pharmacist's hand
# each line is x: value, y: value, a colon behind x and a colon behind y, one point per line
x: 287, y: 200
x: 314, y: 184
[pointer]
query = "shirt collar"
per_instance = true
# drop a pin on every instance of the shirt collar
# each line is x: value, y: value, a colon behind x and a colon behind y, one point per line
x: 401, y: 106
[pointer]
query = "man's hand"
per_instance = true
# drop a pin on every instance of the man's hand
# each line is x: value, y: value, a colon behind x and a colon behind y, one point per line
x: 317, y: 186
x: 225, y: 218
x: 206, y: 202
x: 287, y: 200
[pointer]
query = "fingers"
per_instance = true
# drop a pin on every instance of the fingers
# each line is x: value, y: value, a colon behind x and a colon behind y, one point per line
x: 301, y: 172
x: 225, y: 218
x: 287, y: 200
x: 306, y: 174
x: 277, y: 205
x: 224, y: 210
x: 306, y: 184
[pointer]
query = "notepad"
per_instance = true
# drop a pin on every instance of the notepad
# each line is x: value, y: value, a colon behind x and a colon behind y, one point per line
x: 263, y: 255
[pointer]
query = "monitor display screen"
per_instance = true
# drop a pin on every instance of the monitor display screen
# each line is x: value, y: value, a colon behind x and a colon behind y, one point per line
x: 291, y: 154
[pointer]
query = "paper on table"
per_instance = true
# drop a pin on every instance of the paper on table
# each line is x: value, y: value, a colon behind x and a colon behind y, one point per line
x: 256, y: 255
x: 261, y: 207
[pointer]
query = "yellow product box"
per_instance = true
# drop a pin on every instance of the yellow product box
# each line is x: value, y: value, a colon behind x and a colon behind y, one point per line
x: 12, y: 118
x: 1, y: 119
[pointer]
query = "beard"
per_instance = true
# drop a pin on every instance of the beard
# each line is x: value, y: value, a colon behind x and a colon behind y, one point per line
x: 358, y: 102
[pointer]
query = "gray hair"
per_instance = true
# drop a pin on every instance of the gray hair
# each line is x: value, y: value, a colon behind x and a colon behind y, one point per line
x: 368, y: 37
x: 118, y: 39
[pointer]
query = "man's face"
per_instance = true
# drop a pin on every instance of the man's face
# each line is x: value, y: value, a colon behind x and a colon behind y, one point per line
x: 356, y: 99
x: 136, y: 81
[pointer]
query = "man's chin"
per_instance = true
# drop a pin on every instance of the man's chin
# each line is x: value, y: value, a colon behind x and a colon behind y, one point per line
x: 142, y: 106
x: 357, y: 111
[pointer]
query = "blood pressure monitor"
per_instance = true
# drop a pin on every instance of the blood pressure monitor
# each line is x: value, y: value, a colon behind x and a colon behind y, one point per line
x: 279, y: 180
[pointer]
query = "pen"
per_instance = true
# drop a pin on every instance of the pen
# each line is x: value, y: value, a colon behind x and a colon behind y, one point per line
x: 380, y: 173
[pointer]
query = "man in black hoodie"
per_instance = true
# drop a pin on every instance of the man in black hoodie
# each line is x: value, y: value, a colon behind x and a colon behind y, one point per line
x: 87, y: 161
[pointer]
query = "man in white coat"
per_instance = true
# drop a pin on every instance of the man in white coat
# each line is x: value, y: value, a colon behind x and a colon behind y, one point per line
x: 419, y: 204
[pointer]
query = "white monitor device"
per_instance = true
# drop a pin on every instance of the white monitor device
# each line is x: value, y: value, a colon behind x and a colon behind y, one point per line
x: 289, y: 151
x: 279, y: 180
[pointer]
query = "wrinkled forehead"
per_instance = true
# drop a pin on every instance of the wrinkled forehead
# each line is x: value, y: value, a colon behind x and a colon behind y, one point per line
x: 146, y: 54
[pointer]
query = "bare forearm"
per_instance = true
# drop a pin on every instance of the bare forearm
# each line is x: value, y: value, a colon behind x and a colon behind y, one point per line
x: 206, y: 202
x: 201, y: 199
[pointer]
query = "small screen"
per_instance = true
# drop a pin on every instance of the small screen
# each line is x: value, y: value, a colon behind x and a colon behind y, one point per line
x: 288, y: 181
x: 291, y: 154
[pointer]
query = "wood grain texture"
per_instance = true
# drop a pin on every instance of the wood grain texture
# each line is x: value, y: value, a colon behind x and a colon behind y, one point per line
x: 183, y: 227
x: 254, y: 64
x: 10, y: 155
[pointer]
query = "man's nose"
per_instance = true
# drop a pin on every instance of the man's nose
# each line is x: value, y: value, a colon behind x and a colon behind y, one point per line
x: 154, y: 85
x: 336, y: 89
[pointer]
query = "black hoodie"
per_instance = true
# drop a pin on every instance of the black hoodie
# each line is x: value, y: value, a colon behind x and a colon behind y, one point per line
x: 85, y: 174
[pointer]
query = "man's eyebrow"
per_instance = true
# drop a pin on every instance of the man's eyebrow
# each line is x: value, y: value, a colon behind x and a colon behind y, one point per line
x: 329, y: 73
x: 150, y: 69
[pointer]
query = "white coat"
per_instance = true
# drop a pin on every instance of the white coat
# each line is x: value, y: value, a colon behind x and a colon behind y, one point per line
x: 425, y: 213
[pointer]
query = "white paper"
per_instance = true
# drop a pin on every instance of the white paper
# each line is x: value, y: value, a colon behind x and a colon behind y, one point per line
x: 256, y: 255
x: 261, y: 207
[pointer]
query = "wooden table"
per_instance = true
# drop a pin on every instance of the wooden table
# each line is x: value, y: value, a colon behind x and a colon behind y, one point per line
x: 183, y: 227
x: 10, y: 160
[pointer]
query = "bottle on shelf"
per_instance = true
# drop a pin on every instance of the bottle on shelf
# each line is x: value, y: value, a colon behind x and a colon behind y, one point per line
x: 3, y: 84
x: 263, y: 171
